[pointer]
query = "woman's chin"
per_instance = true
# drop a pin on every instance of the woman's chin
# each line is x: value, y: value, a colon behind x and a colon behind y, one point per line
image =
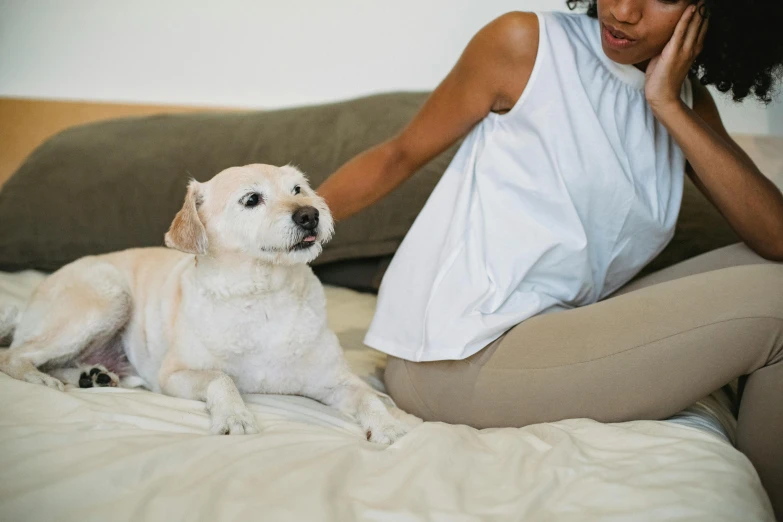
x: 623, y: 57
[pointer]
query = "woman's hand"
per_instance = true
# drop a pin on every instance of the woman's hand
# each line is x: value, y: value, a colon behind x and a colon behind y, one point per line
x: 667, y: 72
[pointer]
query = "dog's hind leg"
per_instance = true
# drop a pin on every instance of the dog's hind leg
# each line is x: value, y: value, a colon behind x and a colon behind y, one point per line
x: 96, y: 376
x: 82, y: 306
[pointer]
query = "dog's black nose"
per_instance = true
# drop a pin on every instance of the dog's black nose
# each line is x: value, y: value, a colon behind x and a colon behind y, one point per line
x: 306, y: 217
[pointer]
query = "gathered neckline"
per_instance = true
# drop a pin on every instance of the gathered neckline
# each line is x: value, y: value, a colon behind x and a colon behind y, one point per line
x: 628, y: 74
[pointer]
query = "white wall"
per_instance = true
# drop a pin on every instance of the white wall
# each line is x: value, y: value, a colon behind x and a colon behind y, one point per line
x: 252, y: 53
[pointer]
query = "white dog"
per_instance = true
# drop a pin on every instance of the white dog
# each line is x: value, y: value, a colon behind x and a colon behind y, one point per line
x: 238, y: 309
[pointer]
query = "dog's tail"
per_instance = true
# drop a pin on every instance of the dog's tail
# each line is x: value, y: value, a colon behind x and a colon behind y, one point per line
x: 9, y: 316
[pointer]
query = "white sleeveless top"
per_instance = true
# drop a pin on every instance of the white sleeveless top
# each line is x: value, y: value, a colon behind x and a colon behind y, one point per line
x: 551, y: 206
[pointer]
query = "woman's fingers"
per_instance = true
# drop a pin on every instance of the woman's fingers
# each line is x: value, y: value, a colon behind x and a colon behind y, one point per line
x: 702, y: 35
x: 694, y: 26
x: 678, y: 38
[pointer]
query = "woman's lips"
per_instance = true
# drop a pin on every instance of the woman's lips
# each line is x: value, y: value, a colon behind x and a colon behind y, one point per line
x: 616, y: 39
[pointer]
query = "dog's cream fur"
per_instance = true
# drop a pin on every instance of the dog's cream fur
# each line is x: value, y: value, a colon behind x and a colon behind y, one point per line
x: 237, y: 308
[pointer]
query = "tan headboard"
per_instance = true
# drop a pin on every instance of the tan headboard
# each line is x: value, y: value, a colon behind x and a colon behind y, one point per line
x: 26, y: 123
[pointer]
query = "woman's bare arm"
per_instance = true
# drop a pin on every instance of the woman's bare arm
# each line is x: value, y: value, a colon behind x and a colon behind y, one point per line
x: 491, y: 75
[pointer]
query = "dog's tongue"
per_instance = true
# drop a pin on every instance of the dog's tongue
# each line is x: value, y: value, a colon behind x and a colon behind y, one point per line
x: 309, y: 239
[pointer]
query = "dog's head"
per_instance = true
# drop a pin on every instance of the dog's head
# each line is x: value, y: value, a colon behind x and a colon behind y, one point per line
x: 266, y: 212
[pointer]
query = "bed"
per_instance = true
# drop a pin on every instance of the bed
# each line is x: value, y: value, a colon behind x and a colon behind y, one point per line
x: 114, y: 454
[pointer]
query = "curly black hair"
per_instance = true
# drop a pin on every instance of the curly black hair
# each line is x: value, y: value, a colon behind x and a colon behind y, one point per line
x: 743, y: 50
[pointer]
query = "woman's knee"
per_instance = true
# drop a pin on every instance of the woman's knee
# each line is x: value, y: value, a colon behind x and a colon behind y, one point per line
x: 758, y: 286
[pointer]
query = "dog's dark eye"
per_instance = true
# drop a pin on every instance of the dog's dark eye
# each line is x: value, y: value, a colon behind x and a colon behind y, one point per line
x: 251, y: 200
x: 297, y: 189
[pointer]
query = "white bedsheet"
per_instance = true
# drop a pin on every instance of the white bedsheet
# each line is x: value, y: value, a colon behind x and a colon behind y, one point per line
x: 109, y: 454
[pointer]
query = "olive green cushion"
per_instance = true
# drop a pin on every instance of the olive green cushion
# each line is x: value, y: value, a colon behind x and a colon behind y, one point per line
x: 117, y: 184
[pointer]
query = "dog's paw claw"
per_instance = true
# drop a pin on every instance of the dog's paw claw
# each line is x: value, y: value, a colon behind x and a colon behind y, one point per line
x: 46, y: 380
x: 97, y: 377
x: 387, y: 433
x: 235, y: 423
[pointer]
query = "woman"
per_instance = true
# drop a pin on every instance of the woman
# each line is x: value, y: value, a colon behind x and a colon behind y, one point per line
x: 579, y: 130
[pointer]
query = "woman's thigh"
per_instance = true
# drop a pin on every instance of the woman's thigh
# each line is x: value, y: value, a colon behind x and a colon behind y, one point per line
x: 738, y: 254
x: 644, y: 353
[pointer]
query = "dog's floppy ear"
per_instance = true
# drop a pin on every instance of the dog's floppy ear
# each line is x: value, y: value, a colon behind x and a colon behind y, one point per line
x: 187, y: 232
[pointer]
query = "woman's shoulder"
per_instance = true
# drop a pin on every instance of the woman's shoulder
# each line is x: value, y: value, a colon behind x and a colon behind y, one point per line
x: 504, y: 50
x: 516, y: 21
x: 508, y: 48
x: 513, y: 33
x: 517, y: 33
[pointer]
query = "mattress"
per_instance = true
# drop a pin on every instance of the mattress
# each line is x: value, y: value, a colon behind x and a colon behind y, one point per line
x: 114, y: 454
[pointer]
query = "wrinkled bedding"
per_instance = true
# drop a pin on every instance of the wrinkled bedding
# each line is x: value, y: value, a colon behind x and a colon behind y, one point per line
x: 113, y: 454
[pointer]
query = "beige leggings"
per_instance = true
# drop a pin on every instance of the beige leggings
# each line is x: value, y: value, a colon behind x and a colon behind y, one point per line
x: 651, y: 349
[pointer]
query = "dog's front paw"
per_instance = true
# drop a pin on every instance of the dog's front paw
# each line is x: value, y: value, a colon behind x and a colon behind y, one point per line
x: 36, y: 377
x: 234, y: 421
x: 406, y: 418
x: 386, y: 432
